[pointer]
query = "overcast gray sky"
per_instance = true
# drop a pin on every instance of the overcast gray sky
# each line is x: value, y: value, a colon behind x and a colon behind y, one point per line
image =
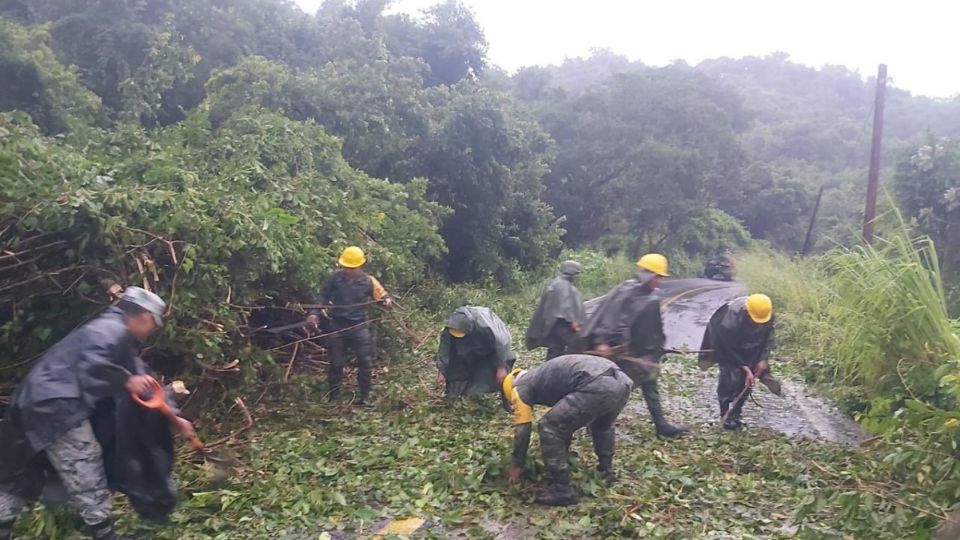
x: 917, y: 39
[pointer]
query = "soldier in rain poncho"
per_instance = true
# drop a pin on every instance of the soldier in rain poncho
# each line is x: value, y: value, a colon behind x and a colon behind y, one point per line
x: 627, y: 323
x: 475, y: 352
x: 739, y: 338
x: 559, y: 316
x: 53, y: 431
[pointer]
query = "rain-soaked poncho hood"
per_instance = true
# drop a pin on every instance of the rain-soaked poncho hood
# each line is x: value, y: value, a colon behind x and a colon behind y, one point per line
x: 561, y: 301
x: 470, y: 363
x: 570, y: 268
x: 610, y: 317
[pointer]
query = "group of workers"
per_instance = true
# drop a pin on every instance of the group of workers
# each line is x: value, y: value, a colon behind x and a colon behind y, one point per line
x: 594, y: 361
x: 50, y: 435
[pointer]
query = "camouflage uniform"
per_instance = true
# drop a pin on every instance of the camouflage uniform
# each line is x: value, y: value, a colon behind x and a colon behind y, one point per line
x: 78, y: 461
x: 581, y: 390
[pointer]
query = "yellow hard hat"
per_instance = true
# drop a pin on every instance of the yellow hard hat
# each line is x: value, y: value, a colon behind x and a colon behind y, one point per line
x: 456, y: 332
x: 508, y: 382
x: 654, y: 262
x: 760, y: 308
x: 352, y: 257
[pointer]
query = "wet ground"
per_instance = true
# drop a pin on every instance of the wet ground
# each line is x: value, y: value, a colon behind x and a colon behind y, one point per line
x: 690, y: 395
x: 689, y: 303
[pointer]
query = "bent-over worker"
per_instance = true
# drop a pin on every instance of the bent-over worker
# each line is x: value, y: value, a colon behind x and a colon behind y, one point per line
x: 475, y: 352
x: 739, y: 338
x: 582, y: 390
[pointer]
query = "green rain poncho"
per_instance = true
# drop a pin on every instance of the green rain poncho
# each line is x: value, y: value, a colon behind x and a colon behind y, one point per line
x: 627, y: 315
x: 732, y: 338
x: 469, y: 364
x: 560, y: 301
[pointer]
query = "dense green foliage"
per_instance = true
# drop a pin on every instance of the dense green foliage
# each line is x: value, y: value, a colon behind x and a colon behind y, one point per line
x: 256, y: 207
x: 796, y: 128
x: 927, y: 185
x: 316, y: 470
x: 871, y: 324
x: 222, y: 152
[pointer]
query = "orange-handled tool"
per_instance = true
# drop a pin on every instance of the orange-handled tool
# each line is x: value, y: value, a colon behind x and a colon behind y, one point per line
x: 158, y: 402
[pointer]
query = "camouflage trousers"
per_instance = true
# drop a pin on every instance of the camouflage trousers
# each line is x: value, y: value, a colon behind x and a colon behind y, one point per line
x: 78, y: 461
x: 597, y: 404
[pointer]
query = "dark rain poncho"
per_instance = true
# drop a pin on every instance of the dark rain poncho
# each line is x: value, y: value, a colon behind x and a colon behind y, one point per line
x: 734, y: 339
x: 82, y: 377
x: 561, y: 301
x: 469, y: 364
x: 627, y: 315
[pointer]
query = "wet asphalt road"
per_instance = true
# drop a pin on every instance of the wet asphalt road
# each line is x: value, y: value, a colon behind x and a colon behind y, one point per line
x: 688, y: 305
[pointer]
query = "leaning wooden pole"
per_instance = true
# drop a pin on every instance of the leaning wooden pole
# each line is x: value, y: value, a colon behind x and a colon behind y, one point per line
x: 873, y: 177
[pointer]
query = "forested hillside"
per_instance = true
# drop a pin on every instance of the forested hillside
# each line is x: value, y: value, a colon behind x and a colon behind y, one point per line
x: 127, y: 119
x: 796, y: 128
x: 223, y: 152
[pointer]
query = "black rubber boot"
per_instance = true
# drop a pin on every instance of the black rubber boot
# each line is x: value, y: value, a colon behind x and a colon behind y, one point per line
x: 670, y: 431
x: 558, y: 495
x: 365, y: 401
x: 606, y: 472
x: 104, y: 531
x: 6, y: 530
x: 651, y: 394
x: 733, y: 422
x: 603, y: 446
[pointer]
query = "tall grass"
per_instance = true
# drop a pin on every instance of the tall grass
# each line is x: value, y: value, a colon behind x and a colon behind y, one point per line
x: 876, y: 315
x: 801, y: 299
x: 892, y: 312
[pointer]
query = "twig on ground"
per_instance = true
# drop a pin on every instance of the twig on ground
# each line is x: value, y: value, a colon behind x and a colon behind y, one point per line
x: 231, y: 367
x: 293, y: 358
x: 630, y: 510
x: 260, y: 397
x: 250, y: 423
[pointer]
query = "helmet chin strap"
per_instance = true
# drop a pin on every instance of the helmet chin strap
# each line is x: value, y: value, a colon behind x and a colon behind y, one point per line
x: 645, y: 276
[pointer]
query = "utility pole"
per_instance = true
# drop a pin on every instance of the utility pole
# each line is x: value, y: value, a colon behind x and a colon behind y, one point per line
x: 873, y: 177
x: 813, y: 220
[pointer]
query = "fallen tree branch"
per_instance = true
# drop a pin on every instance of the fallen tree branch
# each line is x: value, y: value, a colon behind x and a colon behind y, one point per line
x: 250, y: 423
x: 889, y: 498
x: 293, y: 358
x: 14, y: 255
x: 313, y: 338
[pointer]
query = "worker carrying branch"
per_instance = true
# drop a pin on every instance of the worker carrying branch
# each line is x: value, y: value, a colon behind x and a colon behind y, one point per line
x: 739, y: 339
x: 628, y: 322
x: 349, y: 292
x: 581, y: 390
x: 559, y: 315
x: 475, y: 352
x: 55, y: 429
